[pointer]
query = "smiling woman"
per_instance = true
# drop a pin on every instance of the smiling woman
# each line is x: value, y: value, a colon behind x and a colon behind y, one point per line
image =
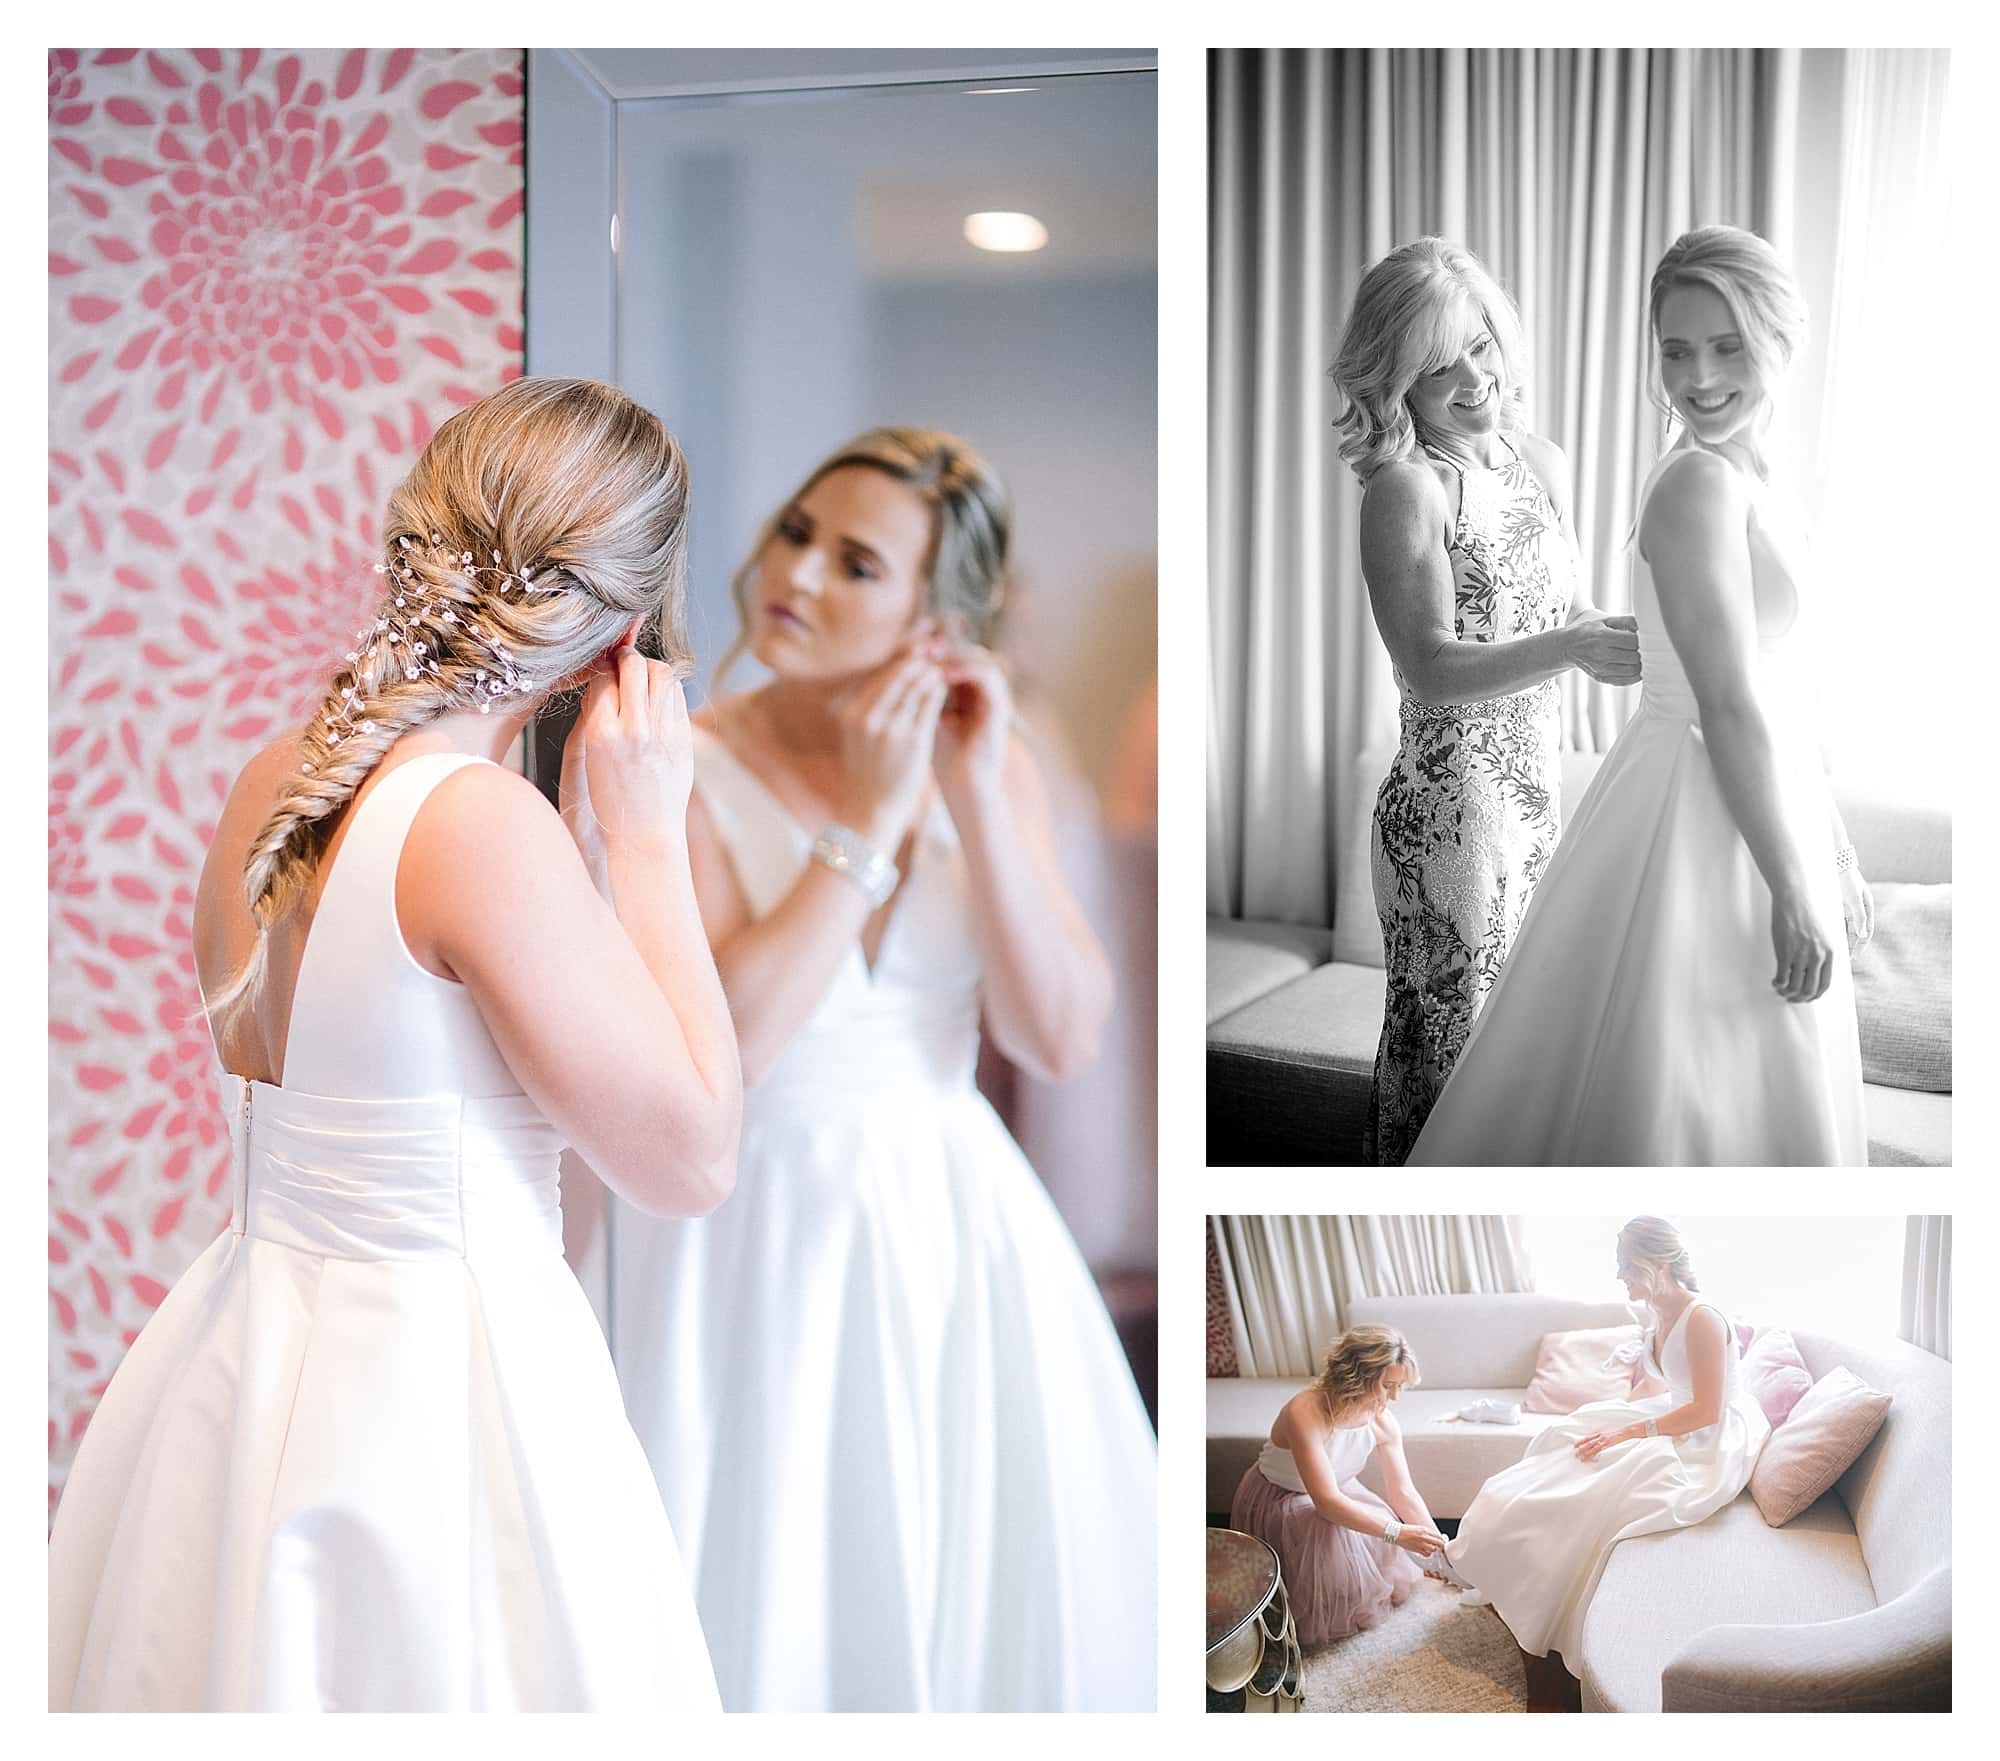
x: 1471, y: 563
x: 1681, y: 994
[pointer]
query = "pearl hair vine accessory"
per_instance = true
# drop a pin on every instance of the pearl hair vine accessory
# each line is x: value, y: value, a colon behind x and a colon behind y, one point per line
x: 414, y: 645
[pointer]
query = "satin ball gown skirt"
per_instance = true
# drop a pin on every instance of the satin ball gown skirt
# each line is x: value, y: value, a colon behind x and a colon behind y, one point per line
x: 369, y: 1454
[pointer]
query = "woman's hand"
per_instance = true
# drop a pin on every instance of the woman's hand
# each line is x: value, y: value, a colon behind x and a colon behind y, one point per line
x: 1420, y: 1541
x: 1590, y: 1448
x: 888, y: 727
x: 1605, y: 645
x: 971, y: 753
x: 1803, y: 949
x: 1857, y: 909
x: 629, y: 757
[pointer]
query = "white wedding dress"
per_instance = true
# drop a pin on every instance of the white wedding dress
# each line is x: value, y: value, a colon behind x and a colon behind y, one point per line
x: 1539, y: 1533
x: 369, y: 1454
x: 886, y: 1408
x: 1634, y: 1023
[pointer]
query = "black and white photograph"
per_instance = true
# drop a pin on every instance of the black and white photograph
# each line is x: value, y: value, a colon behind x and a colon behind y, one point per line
x: 1575, y: 795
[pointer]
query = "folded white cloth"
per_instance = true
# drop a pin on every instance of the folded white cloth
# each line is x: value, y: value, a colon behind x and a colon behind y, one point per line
x: 1491, y: 1412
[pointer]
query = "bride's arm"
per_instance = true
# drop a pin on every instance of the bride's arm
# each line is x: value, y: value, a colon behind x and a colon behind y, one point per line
x: 1400, y: 1490
x: 1695, y: 538
x: 1706, y: 1341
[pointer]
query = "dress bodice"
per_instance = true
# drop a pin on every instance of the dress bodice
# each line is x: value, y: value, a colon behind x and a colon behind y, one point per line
x: 1347, y: 1447
x: 1667, y: 1361
x: 1779, y: 555
x: 1513, y: 572
x: 398, y: 1132
x: 911, y: 1022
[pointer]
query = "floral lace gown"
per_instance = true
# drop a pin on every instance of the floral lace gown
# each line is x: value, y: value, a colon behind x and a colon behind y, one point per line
x: 1468, y: 816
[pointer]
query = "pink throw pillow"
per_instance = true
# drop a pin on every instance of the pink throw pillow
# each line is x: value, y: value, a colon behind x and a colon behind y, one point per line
x: 1570, y: 1369
x: 1831, y: 1425
x: 1775, y: 1374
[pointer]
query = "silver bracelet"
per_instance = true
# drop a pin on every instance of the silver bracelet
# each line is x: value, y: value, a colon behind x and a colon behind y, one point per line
x: 1844, y: 859
x: 1652, y: 1427
x: 849, y: 854
x: 1394, y: 1531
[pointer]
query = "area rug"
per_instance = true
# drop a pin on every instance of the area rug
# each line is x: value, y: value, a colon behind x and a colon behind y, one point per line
x: 1433, y: 1654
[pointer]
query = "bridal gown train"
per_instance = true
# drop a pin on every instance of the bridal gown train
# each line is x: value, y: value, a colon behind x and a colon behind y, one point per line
x: 888, y: 1413
x: 1539, y: 1533
x: 369, y: 1453
x: 1634, y: 1023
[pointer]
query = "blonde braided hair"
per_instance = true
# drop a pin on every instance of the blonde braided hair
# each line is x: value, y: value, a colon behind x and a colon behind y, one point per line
x: 585, y: 494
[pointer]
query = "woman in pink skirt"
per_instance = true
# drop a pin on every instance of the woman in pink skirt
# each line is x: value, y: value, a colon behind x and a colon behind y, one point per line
x: 1347, y: 1555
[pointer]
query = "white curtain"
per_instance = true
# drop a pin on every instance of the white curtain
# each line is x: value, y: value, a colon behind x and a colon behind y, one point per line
x: 1289, y: 1279
x: 1927, y: 1283
x: 1568, y: 171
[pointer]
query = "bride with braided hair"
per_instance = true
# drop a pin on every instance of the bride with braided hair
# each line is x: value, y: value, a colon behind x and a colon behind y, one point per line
x: 369, y: 1454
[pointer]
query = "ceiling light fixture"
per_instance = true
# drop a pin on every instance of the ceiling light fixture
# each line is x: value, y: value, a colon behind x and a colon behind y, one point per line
x: 1001, y: 231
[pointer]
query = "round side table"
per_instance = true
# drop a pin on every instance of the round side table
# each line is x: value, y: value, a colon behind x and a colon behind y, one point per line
x: 1253, y: 1645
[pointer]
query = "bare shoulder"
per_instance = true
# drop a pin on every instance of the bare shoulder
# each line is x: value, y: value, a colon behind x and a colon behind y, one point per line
x: 1404, y: 490
x: 1698, y: 496
x: 1305, y: 1413
x: 1707, y: 1323
x: 264, y: 778
x: 1387, y: 1431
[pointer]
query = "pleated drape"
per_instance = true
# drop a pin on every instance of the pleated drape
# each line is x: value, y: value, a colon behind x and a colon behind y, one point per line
x: 1288, y: 1280
x: 1927, y: 1283
x: 1568, y: 171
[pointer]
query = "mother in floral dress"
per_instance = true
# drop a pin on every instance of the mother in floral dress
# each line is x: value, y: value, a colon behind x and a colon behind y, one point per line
x: 1471, y: 561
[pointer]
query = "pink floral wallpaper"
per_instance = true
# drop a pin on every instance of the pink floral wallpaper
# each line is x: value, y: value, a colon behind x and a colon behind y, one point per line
x: 270, y: 274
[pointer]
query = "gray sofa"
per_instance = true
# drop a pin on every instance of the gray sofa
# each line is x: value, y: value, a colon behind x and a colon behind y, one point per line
x: 1294, y: 1013
x: 1846, y: 1608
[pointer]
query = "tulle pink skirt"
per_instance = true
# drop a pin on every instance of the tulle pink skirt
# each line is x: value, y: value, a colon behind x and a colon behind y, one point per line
x: 1339, y: 1581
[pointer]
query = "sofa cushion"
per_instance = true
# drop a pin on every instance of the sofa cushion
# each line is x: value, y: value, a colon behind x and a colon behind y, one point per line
x: 1480, y: 1341
x: 1246, y: 960
x: 1775, y: 1374
x: 1659, y: 1591
x: 1576, y: 1367
x: 1907, y: 1128
x: 1240, y: 1411
x: 1902, y: 989
x: 1895, y: 840
x: 1835, y: 1419
x: 1289, y: 1074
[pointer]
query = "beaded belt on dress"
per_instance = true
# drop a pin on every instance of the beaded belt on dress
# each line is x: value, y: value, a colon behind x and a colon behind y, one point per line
x: 1521, y: 706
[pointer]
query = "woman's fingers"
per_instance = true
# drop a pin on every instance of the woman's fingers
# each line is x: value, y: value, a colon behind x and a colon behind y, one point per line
x: 633, y: 710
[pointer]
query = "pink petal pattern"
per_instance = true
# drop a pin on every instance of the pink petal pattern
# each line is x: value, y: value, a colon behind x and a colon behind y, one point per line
x: 272, y: 273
